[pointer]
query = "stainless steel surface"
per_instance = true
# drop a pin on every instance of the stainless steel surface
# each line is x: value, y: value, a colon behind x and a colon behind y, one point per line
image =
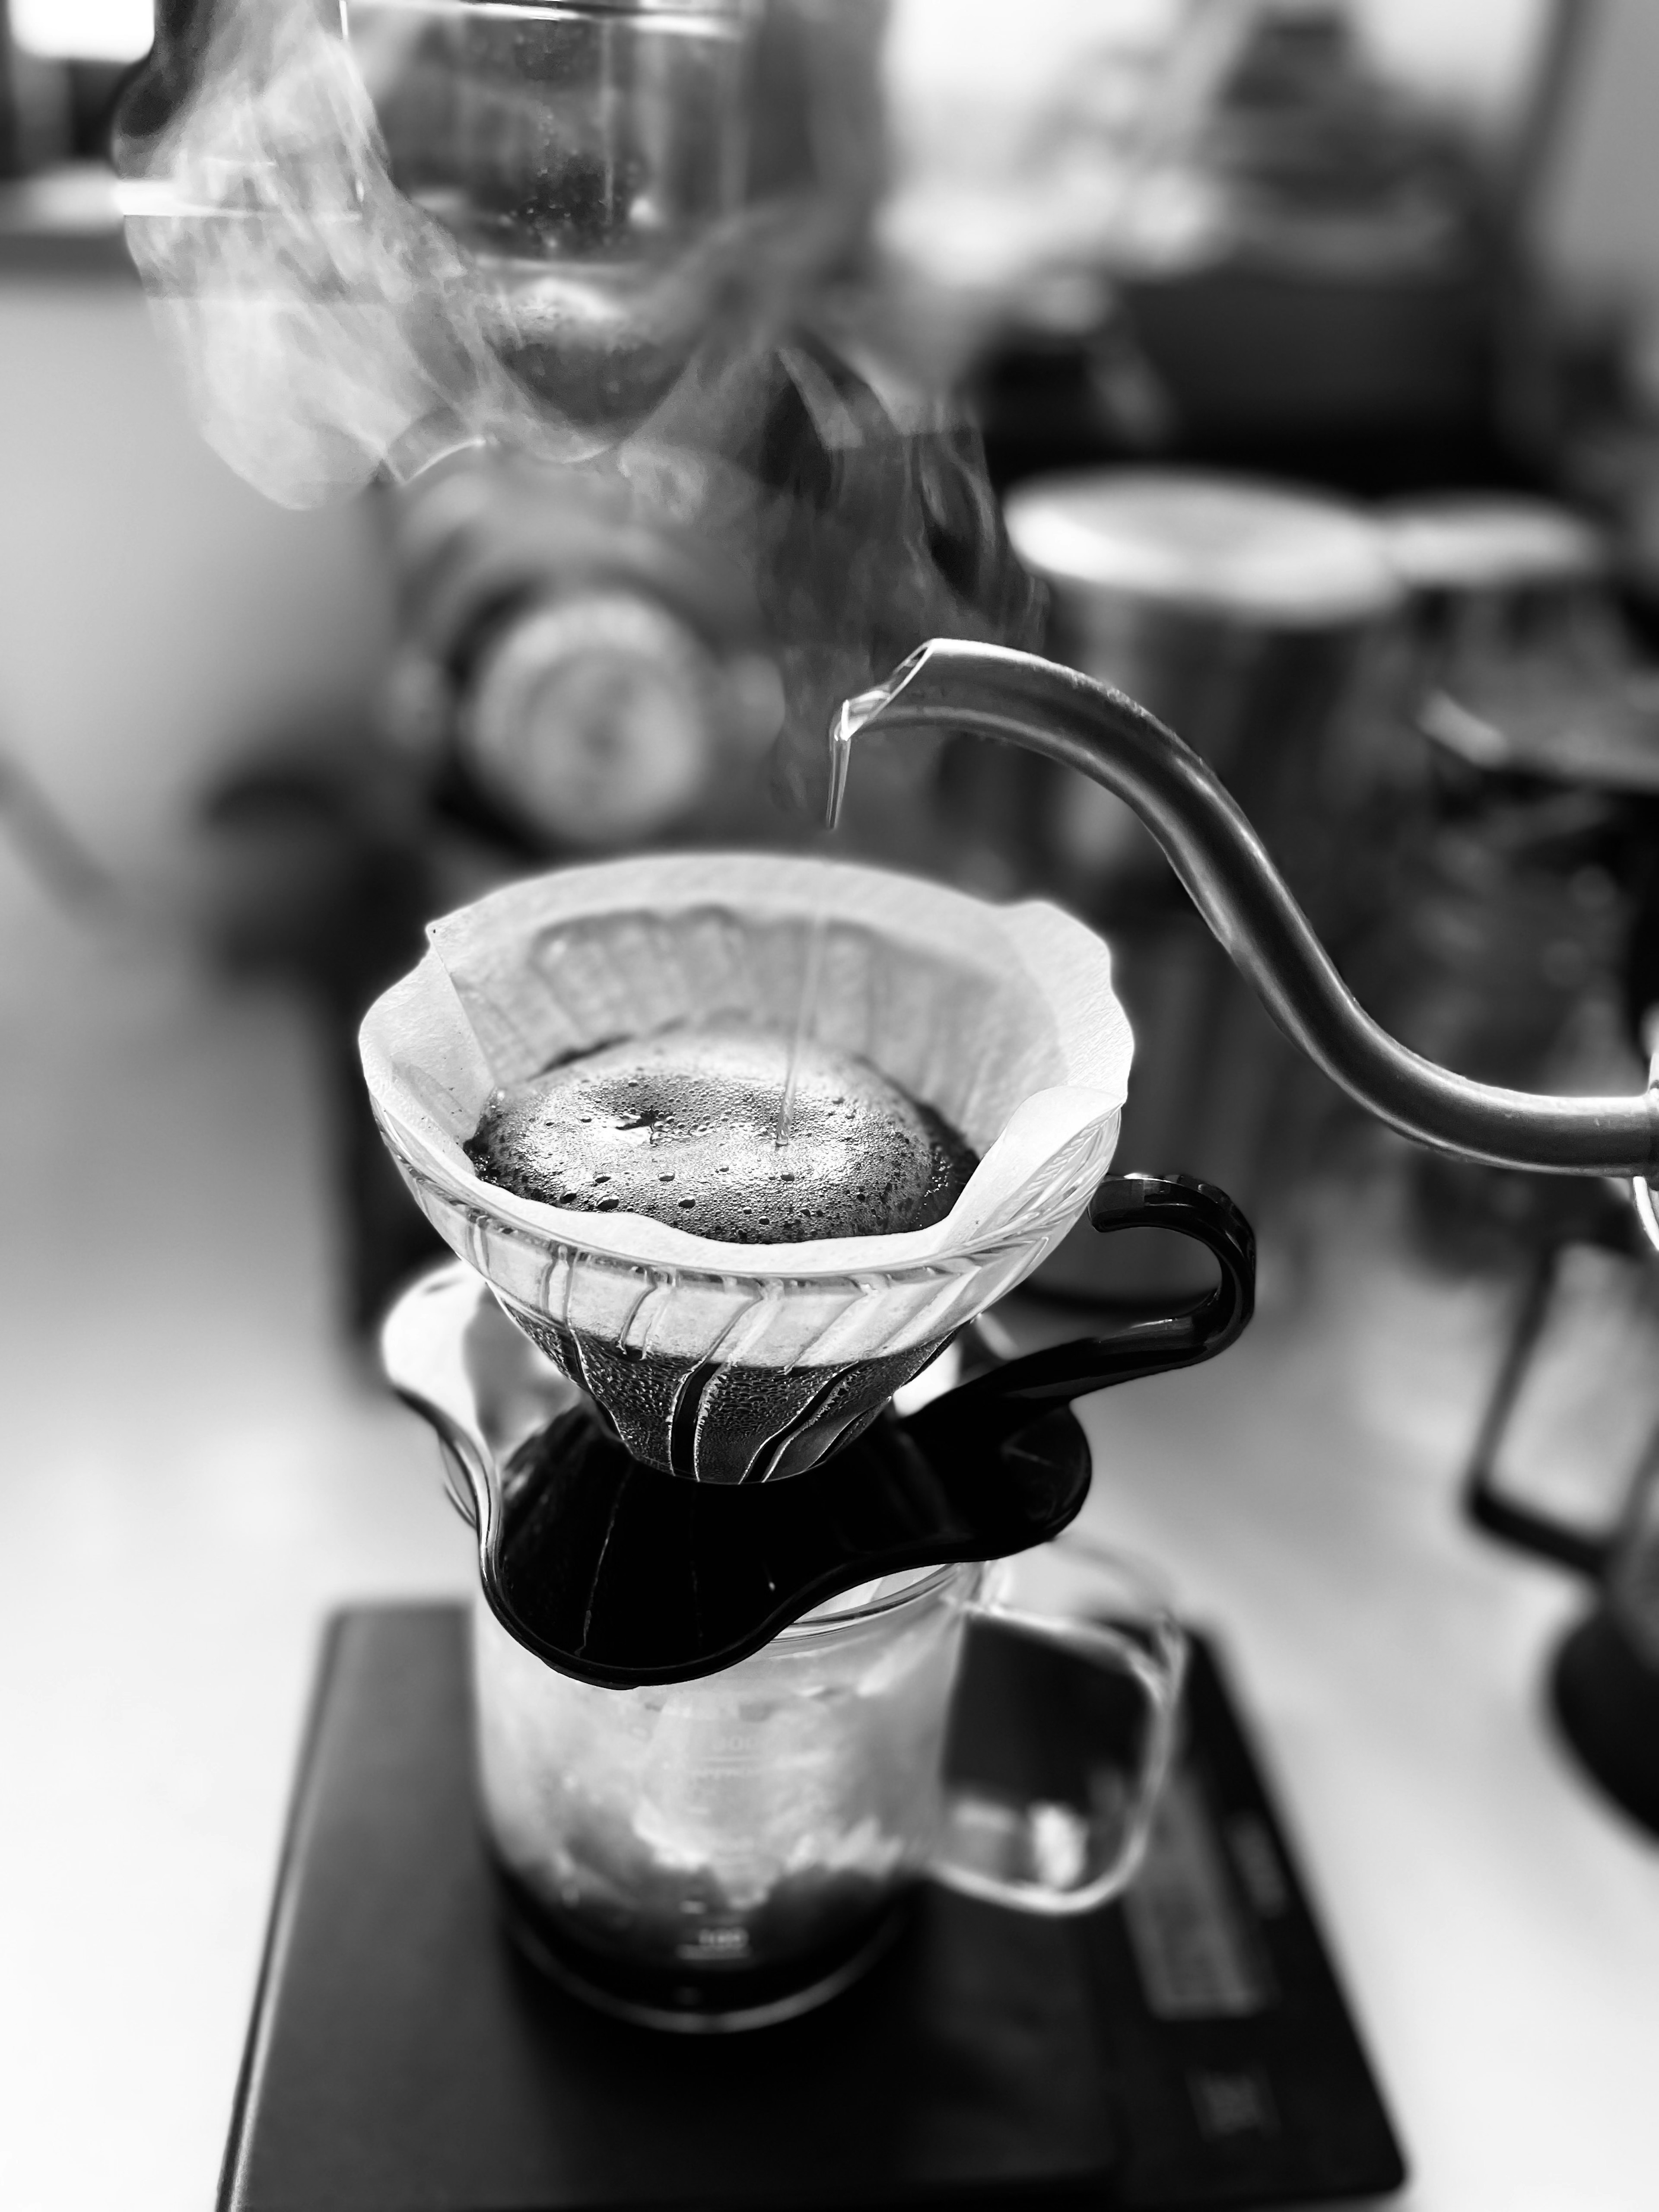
x: 988, y: 691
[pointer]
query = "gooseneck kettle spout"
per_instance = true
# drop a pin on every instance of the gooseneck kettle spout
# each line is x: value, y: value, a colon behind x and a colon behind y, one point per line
x: 988, y: 691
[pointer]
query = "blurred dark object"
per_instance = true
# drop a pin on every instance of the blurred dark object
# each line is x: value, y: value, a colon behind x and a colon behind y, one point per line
x: 54, y: 108
x: 1326, y: 160
x: 8, y: 154
x: 36, y: 106
x: 1341, y: 286
x: 1513, y: 839
x: 1610, y: 460
x: 322, y: 870
x: 1566, y: 1467
x: 1354, y: 283
x: 95, y: 89
x: 1248, y: 617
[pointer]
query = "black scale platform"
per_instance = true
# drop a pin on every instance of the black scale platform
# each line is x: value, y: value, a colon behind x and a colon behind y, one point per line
x: 1187, y: 2047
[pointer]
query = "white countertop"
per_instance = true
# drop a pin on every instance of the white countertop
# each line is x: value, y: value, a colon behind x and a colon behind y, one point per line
x: 195, y: 1471
x: 1498, y: 1927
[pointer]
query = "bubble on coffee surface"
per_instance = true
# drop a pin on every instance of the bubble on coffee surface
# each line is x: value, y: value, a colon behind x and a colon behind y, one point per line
x: 685, y: 1127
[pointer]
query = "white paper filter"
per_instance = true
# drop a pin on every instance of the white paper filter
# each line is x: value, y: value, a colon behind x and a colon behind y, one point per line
x: 1001, y: 1018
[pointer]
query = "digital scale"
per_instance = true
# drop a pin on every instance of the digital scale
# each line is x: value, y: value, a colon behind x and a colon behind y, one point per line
x: 1189, y: 2045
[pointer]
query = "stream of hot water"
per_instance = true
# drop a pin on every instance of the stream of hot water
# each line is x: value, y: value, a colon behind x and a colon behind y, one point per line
x: 849, y: 718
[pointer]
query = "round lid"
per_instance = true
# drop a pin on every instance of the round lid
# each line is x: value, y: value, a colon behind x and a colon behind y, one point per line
x: 1461, y: 544
x: 1216, y: 544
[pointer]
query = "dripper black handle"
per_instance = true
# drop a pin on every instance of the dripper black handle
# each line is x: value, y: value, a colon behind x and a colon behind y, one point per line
x: 999, y: 1404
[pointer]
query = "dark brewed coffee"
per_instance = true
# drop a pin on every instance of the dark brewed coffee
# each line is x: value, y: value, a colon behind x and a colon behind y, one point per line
x: 687, y: 1128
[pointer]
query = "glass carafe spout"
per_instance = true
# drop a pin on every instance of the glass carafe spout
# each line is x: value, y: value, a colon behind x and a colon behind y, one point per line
x: 991, y: 692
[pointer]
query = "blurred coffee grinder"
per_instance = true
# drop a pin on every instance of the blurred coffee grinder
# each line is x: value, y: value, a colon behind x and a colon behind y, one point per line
x: 568, y: 679
x: 587, y: 665
x: 1248, y: 617
x: 648, y: 531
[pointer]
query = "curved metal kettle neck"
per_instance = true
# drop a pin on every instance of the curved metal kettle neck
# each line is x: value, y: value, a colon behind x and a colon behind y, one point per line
x: 992, y: 692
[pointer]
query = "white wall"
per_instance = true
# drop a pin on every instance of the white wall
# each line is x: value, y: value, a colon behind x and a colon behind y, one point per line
x: 154, y: 611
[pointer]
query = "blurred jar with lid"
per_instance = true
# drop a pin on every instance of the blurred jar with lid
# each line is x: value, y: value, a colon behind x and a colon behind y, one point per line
x: 1239, y: 612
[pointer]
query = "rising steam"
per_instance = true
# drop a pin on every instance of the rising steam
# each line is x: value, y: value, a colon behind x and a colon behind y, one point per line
x: 332, y: 330
x: 324, y: 325
x: 329, y: 327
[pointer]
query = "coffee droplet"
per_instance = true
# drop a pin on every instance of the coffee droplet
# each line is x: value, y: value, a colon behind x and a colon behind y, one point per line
x: 687, y: 1123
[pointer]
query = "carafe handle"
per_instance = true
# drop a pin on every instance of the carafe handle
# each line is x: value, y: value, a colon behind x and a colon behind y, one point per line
x: 1043, y: 1857
x: 997, y: 1404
